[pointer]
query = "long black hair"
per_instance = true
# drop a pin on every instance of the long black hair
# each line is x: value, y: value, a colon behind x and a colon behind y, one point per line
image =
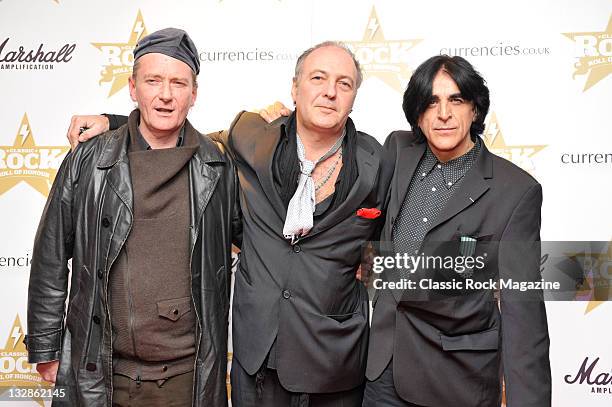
x: 470, y: 83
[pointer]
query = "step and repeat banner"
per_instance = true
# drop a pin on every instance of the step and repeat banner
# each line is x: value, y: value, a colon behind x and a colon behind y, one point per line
x: 547, y: 64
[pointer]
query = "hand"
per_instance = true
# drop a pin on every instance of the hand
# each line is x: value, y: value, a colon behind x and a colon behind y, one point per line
x: 48, y: 370
x: 93, y: 126
x: 274, y: 111
x: 364, y: 272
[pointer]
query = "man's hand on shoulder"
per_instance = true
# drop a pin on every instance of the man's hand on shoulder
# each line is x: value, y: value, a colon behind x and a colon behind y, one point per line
x: 274, y: 111
x: 48, y: 370
x: 82, y: 128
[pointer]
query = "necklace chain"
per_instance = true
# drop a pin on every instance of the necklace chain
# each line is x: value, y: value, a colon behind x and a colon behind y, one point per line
x: 329, y: 173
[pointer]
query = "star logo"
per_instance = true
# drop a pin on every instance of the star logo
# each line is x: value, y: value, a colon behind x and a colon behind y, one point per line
x: 27, y: 162
x: 16, y: 372
x: 520, y: 155
x: 596, y: 287
x: 119, y: 58
x: 594, y: 53
x: 383, y: 59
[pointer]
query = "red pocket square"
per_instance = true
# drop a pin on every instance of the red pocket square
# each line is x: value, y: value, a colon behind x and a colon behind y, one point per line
x: 368, y: 213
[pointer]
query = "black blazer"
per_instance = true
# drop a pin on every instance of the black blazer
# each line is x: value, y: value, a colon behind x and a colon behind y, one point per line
x: 305, y: 295
x: 455, y: 351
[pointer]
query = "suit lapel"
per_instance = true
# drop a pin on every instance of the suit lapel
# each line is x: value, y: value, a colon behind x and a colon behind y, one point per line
x: 473, y: 186
x: 407, y: 160
x: 262, y: 164
x: 367, y: 165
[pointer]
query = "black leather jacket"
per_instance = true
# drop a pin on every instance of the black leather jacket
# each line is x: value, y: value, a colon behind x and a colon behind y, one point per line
x: 87, y: 218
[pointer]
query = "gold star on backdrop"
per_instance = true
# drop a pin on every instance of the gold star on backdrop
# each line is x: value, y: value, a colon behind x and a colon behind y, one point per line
x: 25, y: 161
x: 596, y: 66
x: 518, y: 154
x: 381, y: 58
x: 24, y: 375
x: 598, y: 286
x: 120, y: 57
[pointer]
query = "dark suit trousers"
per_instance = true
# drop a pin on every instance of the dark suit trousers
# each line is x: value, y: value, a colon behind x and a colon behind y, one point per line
x: 273, y: 394
x: 381, y: 392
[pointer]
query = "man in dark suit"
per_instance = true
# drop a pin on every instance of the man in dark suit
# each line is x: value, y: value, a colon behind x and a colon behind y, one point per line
x: 312, y: 191
x: 447, y: 187
x: 300, y: 317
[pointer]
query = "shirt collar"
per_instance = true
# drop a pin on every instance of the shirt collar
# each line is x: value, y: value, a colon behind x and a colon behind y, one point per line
x: 141, y: 143
x: 455, y: 169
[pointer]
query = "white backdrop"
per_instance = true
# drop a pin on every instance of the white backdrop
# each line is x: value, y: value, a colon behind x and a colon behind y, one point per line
x: 547, y: 64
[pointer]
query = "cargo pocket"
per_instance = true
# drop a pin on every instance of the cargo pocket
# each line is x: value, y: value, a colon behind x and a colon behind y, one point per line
x: 174, y: 309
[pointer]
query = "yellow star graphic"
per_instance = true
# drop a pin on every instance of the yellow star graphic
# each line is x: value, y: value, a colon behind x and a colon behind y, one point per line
x: 24, y: 161
x: 381, y: 58
x: 120, y: 57
x: 596, y: 62
x: 598, y: 285
x: 23, y: 375
x: 518, y: 154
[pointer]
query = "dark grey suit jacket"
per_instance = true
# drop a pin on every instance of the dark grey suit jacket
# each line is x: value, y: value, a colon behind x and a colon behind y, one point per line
x: 455, y: 351
x: 305, y: 295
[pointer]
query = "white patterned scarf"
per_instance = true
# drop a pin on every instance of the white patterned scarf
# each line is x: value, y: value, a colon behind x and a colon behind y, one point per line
x: 302, y: 205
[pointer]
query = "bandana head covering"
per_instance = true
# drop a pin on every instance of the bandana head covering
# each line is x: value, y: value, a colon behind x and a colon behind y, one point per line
x: 173, y: 42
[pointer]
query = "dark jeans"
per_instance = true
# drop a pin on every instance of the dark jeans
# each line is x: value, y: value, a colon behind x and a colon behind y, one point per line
x: 273, y: 394
x: 173, y: 392
x: 381, y: 392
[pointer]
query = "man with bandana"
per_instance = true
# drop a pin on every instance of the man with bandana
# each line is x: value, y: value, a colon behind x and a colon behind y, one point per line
x: 146, y: 213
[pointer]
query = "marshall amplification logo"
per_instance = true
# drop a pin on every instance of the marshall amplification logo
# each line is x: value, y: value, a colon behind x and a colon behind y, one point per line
x: 383, y: 59
x: 591, y: 375
x: 15, y: 371
x: 27, y: 162
x: 520, y: 155
x: 119, y: 58
x: 594, y: 53
x: 15, y: 57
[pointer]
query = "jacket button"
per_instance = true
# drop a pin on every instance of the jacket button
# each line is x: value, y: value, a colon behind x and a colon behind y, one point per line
x: 90, y: 367
x: 286, y: 294
x: 165, y: 368
x: 175, y: 311
x: 100, y: 273
x: 106, y: 222
x: 96, y: 319
x: 297, y: 248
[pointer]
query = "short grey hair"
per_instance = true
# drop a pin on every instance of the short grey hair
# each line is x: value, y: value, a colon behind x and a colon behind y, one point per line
x: 338, y: 44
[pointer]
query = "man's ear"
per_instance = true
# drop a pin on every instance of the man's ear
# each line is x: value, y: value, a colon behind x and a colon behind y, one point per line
x: 294, y: 90
x: 132, y: 86
x: 194, y: 95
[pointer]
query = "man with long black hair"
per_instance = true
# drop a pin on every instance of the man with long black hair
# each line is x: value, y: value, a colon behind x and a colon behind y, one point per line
x: 447, y: 187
